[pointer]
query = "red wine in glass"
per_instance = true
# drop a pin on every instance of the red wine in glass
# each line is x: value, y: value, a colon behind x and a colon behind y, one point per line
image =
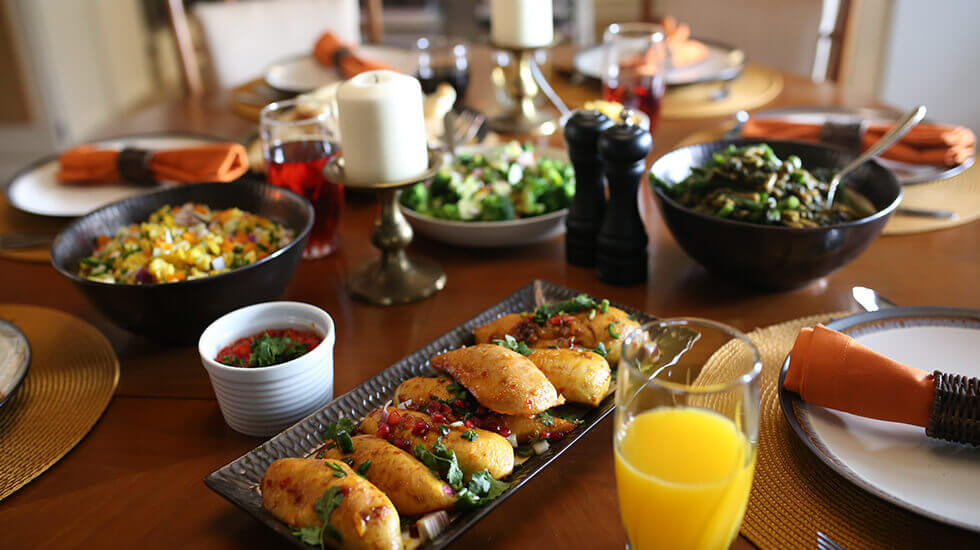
x: 431, y: 77
x: 640, y: 92
x: 298, y: 166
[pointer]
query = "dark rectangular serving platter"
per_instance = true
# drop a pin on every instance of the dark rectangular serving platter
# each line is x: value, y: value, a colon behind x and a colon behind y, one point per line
x: 238, y: 480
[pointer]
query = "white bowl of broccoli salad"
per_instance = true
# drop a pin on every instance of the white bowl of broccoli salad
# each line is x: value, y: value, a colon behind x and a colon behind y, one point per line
x: 494, y: 196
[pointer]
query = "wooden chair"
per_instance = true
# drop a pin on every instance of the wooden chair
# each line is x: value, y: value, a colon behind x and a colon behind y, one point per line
x: 224, y: 50
x: 799, y: 36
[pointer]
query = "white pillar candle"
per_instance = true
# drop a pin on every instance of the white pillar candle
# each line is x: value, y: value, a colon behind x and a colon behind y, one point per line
x: 521, y: 23
x: 382, y: 127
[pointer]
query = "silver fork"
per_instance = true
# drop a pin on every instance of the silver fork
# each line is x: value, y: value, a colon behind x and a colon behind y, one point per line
x: 468, y: 124
x: 824, y: 542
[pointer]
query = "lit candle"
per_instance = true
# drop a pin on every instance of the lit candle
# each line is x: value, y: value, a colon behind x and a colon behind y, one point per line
x: 521, y: 23
x: 382, y: 127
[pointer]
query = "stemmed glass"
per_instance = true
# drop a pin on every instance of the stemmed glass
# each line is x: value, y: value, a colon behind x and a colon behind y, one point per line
x: 634, y: 67
x: 297, y: 143
x: 685, y: 434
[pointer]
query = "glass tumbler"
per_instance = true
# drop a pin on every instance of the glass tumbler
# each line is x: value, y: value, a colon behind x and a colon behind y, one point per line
x: 685, y: 433
x: 634, y: 67
x: 298, y: 140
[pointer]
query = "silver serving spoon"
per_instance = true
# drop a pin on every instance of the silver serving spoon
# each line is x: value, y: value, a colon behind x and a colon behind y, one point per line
x: 870, y: 300
x: 902, y: 127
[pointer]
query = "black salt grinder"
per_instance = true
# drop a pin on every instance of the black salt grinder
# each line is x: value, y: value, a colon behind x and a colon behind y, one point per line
x: 585, y: 215
x: 621, y: 254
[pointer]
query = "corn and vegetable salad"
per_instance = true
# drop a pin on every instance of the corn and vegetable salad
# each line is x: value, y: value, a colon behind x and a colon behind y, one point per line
x: 181, y: 243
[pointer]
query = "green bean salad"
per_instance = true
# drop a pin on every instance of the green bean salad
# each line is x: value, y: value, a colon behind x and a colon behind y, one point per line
x: 752, y: 184
x: 509, y: 182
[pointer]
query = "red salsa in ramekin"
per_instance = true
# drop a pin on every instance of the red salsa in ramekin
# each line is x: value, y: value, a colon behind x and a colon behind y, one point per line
x: 269, y: 347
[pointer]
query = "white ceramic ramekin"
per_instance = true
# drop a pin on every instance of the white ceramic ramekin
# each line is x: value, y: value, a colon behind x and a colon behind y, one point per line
x: 263, y: 401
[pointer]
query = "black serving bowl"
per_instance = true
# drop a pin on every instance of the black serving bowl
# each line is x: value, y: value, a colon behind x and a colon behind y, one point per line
x: 768, y: 256
x: 179, y: 311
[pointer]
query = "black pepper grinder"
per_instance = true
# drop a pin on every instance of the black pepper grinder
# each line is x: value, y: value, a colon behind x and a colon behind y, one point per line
x: 621, y: 255
x: 585, y: 215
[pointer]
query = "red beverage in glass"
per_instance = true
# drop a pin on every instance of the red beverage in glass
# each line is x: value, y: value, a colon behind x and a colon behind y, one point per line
x: 298, y: 166
x: 642, y: 93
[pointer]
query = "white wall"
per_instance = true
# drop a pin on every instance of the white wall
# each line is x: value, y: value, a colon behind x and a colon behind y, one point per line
x: 933, y: 57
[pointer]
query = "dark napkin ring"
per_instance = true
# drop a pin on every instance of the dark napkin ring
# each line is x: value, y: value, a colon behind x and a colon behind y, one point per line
x: 339, y: 55
x: 133, y: 166
x: 955, y: 414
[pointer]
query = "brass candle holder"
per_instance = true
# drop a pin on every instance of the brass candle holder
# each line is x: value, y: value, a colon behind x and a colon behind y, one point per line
x: 519, y: 84
x: 394, y: 277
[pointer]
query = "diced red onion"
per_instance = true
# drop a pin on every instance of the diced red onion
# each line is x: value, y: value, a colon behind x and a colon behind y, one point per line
x: 540, y: 447
x: 144, y: 276
x: 432, y: 524
x: 512, y: 439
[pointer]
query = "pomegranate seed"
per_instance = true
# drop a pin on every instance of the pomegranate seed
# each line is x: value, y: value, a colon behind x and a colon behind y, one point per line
x: 432, y: 407
x: 545, y: 435
x: 384, y: 431
x: 503, y: 430
x: 393, y: 418
x: 460, y: 403
x: 444, y: 408
x: 476, y: 422
x: 556, y: 320
x: 481, y: 410
x: 402, y: 443
x: 420, y: 428
x: 438, y: 418
x: 556, y: 436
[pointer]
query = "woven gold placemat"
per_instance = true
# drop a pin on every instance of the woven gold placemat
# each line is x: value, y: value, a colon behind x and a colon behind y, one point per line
x: 960, y: 193
x: 755, y: 87
x: 72, y: 377
x: 794, y: 494
x: 15, y: 221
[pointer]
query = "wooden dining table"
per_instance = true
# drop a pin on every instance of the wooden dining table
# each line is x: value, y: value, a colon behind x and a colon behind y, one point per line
x: 136, y: 480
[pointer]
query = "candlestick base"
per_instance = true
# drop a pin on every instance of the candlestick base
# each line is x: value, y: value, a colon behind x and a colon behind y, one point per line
x: 523, y: 115
x: 394, y: 277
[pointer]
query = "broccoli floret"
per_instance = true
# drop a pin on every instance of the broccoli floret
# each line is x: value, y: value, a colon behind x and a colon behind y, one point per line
x: 447, y: 212
x: 555, y: 198
x: 416, y: 198
x: 441, y: 187
x: 497, y: 208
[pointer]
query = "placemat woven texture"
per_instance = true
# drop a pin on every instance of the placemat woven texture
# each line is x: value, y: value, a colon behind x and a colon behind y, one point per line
x: 755, y: 87
x: 794, y: 494
x: 72, y: 377
x: 960, y: 193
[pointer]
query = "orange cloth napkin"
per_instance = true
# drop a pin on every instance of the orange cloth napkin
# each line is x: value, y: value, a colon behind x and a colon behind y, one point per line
x: 330, y: 50
x: 683, y: 50
x: 831, y: 369
x: 87, y: 164
x: 927, y: 143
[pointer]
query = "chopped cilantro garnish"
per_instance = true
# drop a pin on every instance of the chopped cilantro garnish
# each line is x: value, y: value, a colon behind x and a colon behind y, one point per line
x: 234, y: 361
x: 441, y: 461
x: 613, y: 333
x: 470, y: 435
x: 363, y: 468
x: 481, y: 489
x: 339, y: 433
x: 323, y: 507
x: 546, y: 418
x: 604, y: 306
x: 601, y: 349
x: 512, y: 344
x: 338, y: 470
x: 578, y: 304
x: 443, y: 429
x: 271, y: 350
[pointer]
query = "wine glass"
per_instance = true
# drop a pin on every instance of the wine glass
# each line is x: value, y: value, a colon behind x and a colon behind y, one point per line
x: 442, y: 59
x: 685, y: 434
x: 634, y: 67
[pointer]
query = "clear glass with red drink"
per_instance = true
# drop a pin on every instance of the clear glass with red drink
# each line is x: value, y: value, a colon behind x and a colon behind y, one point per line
x: 298, y: 140
x: 634, y: 69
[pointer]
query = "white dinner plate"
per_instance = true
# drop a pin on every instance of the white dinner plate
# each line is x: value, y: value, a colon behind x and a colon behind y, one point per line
x: 36, y: 190
x: 15, y: 359
x: 723, y: 63
x: 500, y: 234
x: 897, y: 462
x: 298, y: 75
x: 907, y: 174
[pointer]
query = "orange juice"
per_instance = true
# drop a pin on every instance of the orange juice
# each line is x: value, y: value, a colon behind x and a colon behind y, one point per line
x: 683, y: 476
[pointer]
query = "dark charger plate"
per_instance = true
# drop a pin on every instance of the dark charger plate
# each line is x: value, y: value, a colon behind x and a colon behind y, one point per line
x: 238, y: 480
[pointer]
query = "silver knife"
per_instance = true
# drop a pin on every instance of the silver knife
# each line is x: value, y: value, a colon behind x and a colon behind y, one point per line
x: 15, y: 241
